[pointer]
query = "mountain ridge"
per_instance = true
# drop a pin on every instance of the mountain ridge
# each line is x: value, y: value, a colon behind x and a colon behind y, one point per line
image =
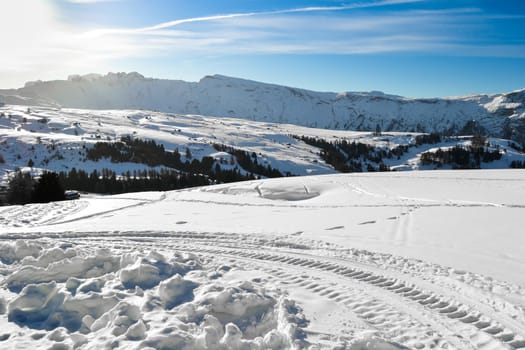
x: 499, y: 115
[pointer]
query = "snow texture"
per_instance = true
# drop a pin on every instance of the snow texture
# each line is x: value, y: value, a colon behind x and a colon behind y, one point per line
x: 417, y: 260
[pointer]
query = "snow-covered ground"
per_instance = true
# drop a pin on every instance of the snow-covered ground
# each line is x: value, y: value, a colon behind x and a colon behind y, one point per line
x: 420, y: 260
x: 56, y: 139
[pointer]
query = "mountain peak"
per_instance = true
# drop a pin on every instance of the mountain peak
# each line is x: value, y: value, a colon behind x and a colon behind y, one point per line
x: 223, y: 96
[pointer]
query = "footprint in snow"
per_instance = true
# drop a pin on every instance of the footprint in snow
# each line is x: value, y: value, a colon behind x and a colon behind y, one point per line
x: 334, y: 228
x: 367, y: 222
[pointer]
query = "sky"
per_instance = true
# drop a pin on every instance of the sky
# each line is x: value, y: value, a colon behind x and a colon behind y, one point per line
x: 413, y: 48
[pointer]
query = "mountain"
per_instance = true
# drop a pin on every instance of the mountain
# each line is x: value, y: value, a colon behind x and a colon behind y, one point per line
x: 130, y: 142
x: 498, y: 115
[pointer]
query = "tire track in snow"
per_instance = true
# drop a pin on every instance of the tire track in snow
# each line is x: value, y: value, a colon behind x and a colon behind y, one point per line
x: 483, y: 332
x: 40, y: 214
x: 53, y: 213
x: 395, y: 301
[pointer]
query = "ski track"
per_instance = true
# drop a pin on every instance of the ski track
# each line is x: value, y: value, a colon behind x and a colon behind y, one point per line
x: 42, y: 214
x: 394, y: 296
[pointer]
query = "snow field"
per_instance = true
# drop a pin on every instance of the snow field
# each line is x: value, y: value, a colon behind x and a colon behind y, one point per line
x: 59, y: 143
x: 420, y: 260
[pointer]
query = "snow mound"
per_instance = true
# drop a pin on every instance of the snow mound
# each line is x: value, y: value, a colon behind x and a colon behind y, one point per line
x: 46, y: 306
x: 60, y: 268
x: 286, y: 193
x: 10, y: 253
x: 69, y: 297
x: 149, y: 271
x: 272, y: 190
x: 35, y: 304
x: 176, y: 290
x: 230, y: 316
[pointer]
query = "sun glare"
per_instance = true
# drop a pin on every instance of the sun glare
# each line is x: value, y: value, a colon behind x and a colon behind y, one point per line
x: 37, y: 45
x: 26, y: 25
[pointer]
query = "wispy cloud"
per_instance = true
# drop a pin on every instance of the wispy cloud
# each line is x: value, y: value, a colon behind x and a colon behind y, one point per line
x: 169, y: 24
x: 313, y: 30
x: 48, y: 45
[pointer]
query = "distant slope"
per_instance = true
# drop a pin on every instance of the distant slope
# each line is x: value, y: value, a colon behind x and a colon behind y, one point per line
x: 59, y: 140
x: 499, y: 115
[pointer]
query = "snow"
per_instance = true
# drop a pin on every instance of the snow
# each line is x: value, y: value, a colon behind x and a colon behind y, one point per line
x: 423, y: 260
x: 420, y: 259
x: 223, y: 96
x: 59, y: 144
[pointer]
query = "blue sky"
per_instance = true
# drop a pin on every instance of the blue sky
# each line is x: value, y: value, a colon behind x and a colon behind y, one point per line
x: 415, y: 48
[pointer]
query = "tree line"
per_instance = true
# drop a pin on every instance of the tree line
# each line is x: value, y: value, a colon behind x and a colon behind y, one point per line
x: 248, y: 161
x: 152, y: 154
x: 354, y: 156
x: 23, y: 188
x: 173, y: 173
x: 517, y: 164
x: 460, y: 157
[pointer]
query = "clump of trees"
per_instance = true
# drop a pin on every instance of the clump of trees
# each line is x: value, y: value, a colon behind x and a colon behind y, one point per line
x: 517, y: 164
x: 463, y: 157
x: 431, y: 138
x: 248, y: 161
x: 48, y: 188
x: 349, y: 157
x: 176, y: 172
x: 107, y: 181
x: 24, y: 189
x: 135, y: 151
x: 152, y: 154
x: 20, y: 189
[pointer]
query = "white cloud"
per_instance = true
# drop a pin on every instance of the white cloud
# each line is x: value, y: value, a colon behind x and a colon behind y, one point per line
x: 290, y: 31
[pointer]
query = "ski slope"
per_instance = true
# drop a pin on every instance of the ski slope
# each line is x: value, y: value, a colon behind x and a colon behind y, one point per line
x: 419, y: 260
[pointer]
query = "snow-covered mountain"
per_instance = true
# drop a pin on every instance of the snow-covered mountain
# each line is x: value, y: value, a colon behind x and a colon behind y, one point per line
x: 58, y: 140
x: 499, y: 115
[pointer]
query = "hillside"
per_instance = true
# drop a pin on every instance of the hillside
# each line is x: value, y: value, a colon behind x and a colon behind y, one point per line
x: 499, y: 115
x: 207, y: 150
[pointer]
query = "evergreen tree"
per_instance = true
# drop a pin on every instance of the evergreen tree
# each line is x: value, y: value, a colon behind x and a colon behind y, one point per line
x: 20, y: 189
x: 378, y: 130
x: 48, y: 189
